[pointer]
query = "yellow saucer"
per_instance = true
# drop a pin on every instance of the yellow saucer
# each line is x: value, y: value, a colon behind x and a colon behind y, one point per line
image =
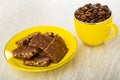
x: 69, y: 39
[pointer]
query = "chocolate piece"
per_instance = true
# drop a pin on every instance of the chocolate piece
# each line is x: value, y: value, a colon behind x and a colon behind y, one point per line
x: 26, y: 40
x: 40, y: 60
x: 56, y: 49
x: 25, y: 52
x: 41, y: 41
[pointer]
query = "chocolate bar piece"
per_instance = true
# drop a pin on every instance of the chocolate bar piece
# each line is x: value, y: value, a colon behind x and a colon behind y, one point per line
x: 56, y: 49
x: 26, y: 40
x: 40, y: 60
x: 41, y: 41
x: 25, y: 52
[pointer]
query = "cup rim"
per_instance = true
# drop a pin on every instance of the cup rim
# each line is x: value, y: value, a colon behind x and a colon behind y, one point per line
x: 93, y: 23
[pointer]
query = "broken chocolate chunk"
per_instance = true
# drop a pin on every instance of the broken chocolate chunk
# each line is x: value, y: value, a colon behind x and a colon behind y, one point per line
x: 25, y: 52
x: 26, y: 40
x: 40, y: 60
x: 57, y: 49
x: 41, y: 41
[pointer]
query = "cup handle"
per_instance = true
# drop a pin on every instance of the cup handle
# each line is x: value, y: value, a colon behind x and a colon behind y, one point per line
x: 114, y: 27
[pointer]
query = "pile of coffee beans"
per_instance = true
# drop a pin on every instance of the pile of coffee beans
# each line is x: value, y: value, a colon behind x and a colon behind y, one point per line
x: 93, y: 13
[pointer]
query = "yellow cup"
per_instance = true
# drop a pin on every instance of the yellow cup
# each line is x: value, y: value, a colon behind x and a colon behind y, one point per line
x: 94, y: 34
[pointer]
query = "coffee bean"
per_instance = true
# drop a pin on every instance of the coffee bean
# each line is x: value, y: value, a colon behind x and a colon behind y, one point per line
x: 78, y: 16
x: 88, y: 20
x: 83, y: 9
x: 108, y: 15
x: 83, y: 17
x: 101, y: 19
x: 105, y: 7
x: 89, y: 10
x: 98, y: 4
x: 88, y: 14
x: 95, y: 7
x: 109, y: 12
x: 101, y: 13
x: 87, y: 5
x: 93, y: 13
x: 95, y: 16
x: 100, y: 9
x: 91, y: 17
x: 92, y: 21
x: 77, y: 11
x: 100, y: 16
x: 81, y: 13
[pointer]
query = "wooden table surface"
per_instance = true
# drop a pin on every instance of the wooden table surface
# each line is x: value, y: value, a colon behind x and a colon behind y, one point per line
x: 89, y: 63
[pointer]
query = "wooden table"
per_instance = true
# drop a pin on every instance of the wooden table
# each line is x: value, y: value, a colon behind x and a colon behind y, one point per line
x: 89, y: 63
